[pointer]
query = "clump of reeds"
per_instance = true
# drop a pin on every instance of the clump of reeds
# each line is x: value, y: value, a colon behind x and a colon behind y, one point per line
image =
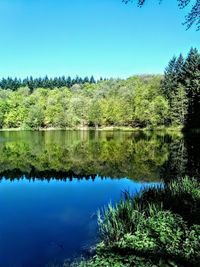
x: 158, y: 227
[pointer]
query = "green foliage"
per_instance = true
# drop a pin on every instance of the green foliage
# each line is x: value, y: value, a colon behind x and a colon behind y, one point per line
x: 95, y: 113
x: 181, y: 88
x: 179, y: 104
x: 184, y: 193
x: 35, y: 117
x: 145, y: 231
x: 137, y: 101
x: 191, y: 73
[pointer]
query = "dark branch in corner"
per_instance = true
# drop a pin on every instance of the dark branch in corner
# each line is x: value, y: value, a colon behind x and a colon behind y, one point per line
x: 192, y: 18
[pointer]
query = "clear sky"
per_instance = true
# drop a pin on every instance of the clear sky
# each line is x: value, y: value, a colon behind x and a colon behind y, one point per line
x: 84, y: 37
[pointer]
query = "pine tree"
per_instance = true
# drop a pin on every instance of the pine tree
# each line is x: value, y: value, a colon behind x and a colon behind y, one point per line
x: 69, y: 81
x: 178, y: 68
x: 76, y: 80
x: 80, y: 80
x: 179, y: 106
x: 170, y: 82
x: 86, y: 80
x: 92, y: 80
x: 30, y: 83
x: 191, y: 74
x: 63, y: 81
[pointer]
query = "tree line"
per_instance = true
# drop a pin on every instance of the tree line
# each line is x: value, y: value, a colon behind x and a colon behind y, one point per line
x: 172, y: 99
x: 45, y: 82
x: 136, y: 101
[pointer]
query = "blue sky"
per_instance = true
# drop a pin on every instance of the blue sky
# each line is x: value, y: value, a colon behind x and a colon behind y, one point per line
x: 84, y: 37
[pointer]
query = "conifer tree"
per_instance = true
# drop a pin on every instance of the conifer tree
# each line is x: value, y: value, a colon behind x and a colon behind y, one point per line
x: 170, y: 82
x: 69, y: 81
x: 179, y: 68
x: 92, y: 80
x: 179, y: 106
x: 86, y: 80
x: 191, y: 74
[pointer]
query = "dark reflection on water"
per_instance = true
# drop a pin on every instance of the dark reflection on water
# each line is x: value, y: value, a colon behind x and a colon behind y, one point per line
x: 52, y: 184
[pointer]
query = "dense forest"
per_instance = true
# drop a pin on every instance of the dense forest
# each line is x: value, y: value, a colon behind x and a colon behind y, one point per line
x: 150, y: 101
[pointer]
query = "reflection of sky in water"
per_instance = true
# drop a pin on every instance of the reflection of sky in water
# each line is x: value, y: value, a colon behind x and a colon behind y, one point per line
x: 44, y: 222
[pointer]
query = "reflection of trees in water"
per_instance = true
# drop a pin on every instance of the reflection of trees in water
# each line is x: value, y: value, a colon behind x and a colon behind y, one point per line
x: 82, y: 154
x: 73, y: 154
x: 175, y: 166
x: 184, y: 157
x: 192, y: 144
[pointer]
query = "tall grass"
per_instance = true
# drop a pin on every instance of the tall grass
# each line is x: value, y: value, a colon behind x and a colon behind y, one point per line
x: 158, y: 227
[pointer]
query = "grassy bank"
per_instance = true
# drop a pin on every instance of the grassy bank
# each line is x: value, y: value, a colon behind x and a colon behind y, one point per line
x: 158, y: 227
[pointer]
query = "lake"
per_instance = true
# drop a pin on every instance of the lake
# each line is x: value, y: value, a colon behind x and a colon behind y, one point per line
x: 52, y: 183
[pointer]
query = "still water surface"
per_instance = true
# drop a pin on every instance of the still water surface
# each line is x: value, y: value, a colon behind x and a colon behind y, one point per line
x: 52, y: 184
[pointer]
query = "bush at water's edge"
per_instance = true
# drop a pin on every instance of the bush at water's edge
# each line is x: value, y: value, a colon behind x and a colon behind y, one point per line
x: 159, y: 227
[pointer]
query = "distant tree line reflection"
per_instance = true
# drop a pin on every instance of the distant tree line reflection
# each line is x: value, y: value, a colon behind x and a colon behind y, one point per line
x: 66, y: 155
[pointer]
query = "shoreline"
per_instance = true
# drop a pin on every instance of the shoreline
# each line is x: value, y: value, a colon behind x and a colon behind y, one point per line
x: 106, y: 128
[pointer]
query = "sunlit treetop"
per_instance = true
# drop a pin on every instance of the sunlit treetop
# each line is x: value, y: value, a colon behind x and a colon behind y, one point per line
x: 193, y: 17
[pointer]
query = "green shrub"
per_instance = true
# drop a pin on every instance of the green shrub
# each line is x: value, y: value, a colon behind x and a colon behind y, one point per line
x: 158, y: 227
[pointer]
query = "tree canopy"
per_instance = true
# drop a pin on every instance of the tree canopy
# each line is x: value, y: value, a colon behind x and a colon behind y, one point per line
x: 181, y: 87
x: 111, y: 102
x: 149, y: 101
x: 193, y: 17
